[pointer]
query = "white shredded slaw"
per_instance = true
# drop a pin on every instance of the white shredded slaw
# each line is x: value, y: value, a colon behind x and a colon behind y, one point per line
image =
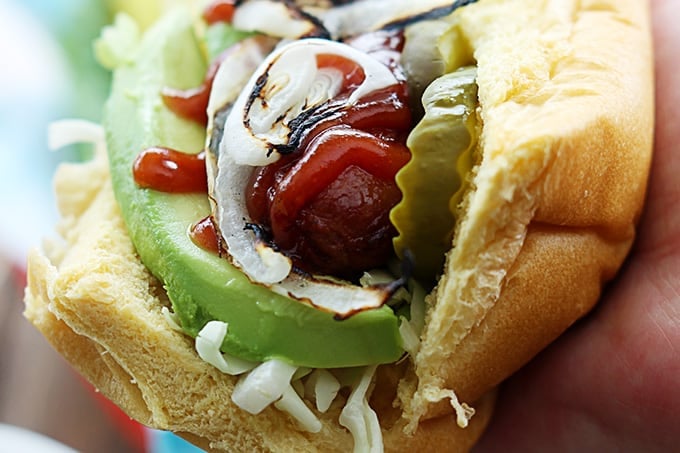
x: 208, y: 343
x: 172, y: 319
x: 67, y: 132
x: 291, y: 403
x: 358, y: 417
x: 263, y: 385
x: 324, y: 387
x: 118, y: 42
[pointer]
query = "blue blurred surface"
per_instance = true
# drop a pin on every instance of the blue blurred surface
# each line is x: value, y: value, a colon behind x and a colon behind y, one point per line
x: 165, y: 442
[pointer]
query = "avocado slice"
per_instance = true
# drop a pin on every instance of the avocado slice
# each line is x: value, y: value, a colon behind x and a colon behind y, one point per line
x: 262, y: 325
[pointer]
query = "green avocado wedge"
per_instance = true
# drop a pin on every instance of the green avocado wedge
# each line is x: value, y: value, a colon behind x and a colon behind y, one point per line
x: 262, y: 325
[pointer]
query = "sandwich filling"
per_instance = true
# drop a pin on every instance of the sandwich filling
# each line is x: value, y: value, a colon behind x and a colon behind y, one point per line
x: 317, y: 160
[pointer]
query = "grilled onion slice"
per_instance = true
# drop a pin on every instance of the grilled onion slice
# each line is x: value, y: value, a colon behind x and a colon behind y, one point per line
x: 364, y: 16
x: 257, y: 128
x: 278, y: 19
x: 285, y: 86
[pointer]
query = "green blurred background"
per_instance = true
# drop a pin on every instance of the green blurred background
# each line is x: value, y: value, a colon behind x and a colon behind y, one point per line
x: 47, y: 72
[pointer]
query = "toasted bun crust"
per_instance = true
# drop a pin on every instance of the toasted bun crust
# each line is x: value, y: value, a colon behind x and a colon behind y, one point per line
x: 566, y: 95
x: 100, y: 308
x: 565, y: 91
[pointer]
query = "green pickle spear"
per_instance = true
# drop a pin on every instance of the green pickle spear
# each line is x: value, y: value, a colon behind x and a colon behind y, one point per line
x: 432, y: 182
x: 262, y: 325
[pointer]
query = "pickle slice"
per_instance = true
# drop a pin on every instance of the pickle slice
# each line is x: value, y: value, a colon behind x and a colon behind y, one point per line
x: 432, y: 182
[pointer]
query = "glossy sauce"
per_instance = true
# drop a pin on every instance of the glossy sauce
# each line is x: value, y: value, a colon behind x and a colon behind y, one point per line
x: 327, y: 204
x: 169, y: 170
x: 327, y: 157
x: 385, y: 46
x: 192, y: 104
x: 353, y: 73
x: 204, y: 235
x: 219, y: 11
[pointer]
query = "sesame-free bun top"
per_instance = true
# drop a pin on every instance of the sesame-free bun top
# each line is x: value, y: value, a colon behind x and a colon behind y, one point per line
x: 566, y: 95
x: 565, y: 92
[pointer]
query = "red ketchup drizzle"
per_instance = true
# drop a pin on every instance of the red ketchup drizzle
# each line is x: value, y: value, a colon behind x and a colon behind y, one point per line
x: 385, y: 46
x: 327, y: 157
x: 168, y: 170
x: 204, y: 234
x: 352, y: 72
x: 327, y: 204
x: 172, y: 171
x: 192, y: 104
x: 219, y: 11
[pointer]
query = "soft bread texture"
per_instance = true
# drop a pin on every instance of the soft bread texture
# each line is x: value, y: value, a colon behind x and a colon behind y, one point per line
x: 100, y: 308
x: 566, y: 96
x: 565, y: 90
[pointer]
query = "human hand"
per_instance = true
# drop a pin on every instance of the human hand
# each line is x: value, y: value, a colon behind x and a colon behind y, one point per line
x: 612, y: 383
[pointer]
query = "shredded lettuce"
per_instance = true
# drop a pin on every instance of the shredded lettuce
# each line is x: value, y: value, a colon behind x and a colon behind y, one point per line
x: 411, y: 322
x: 263, y: 385
x: 358, y: 417
x: 292, y: 403
x: 220, y: 37
x: 208, y: 343
x: 73, y: 131
x: 324, y: 387
x: 118, y: 42
x: 172, y: 319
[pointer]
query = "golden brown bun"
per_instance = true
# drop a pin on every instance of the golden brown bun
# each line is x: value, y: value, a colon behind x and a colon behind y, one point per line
x: 566, y: 95
x: 565, y: 90
x: 100, y: 308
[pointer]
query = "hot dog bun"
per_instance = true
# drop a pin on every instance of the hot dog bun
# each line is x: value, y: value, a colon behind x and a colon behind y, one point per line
x: 565, y: 90
x: 566, y: 95
x: 100, y: 308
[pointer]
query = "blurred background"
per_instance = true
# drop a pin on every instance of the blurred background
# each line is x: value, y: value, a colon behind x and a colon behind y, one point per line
x: 49, y: 72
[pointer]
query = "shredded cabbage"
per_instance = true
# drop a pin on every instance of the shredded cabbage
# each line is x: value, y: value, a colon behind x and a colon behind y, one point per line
x: 263, y: 385
x: 292, y: 403
x: 411, y: 328
x: 358, y: 417
x: 208, y: 343
x: 118, y: 42
x: 67, y: 132
x: 172, y: 319
x: 324, y: 387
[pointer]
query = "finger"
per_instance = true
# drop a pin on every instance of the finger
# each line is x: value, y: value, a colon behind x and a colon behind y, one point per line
x: 660, y: 228
x: 611, y: 383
